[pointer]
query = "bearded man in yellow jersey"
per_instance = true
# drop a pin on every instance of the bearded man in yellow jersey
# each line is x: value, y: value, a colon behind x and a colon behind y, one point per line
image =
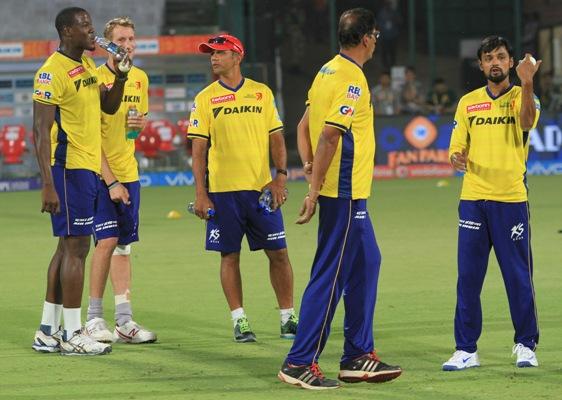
x: 490, y: 144
x: 116, y: 224
x: 236, y: 119
x: 66, y: 128
x: 336, y: 142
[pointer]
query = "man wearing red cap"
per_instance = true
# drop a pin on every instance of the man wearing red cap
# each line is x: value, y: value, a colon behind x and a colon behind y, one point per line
x: 235, y: 121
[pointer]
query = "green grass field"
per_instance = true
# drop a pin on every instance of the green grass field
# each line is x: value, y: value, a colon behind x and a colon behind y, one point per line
x: 176, y: 292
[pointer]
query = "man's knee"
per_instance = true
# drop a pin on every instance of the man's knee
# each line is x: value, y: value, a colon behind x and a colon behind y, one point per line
x: 278, y: 257
x: 107, y: 245
x: 76, y: 246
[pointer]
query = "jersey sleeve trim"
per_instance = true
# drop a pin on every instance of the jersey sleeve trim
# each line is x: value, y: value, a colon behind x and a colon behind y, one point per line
x: 338, y: 126
x: 198, y: 136
x: 276, y: 129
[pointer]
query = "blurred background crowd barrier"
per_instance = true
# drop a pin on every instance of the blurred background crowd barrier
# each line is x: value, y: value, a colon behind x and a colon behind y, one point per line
x: 424, y: 62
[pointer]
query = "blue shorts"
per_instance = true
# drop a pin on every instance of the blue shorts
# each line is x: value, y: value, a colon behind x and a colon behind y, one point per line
x: 236, y: 214
x: 77, y: 190
x: 117, y: 219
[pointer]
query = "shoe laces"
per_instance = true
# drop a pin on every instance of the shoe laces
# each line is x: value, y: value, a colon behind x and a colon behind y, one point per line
x: 293, y: 318
x: 522, y: 351
x: 373, y: 356
x: 315, y: 370
x: 243, y: 324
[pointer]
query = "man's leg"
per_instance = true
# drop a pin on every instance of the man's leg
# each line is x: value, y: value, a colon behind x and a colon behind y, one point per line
x: 511, y: 238
x: 75, y: 250
x: 281, y: 275
x: 231, y: 280
x: 101, y: 262
x: 47, y: 337
x: 359, y: 362
x: 120, y: 272
x: 95, y: 326
x: 52, y: 309
x: 473, y: 253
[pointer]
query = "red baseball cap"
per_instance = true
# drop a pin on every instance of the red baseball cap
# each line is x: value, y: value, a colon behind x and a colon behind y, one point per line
x: 222, y: 42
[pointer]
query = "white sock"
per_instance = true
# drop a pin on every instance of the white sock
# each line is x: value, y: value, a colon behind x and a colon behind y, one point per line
x: 71, y: 321
x: 286, y: 314
x: 238, y: 313
x: 50, y: 319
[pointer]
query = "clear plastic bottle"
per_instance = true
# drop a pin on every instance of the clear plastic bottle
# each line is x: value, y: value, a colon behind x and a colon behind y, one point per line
x: 132, y: 133
x: 191, y: 210
x: 118, y: 52
x: 265, y: 201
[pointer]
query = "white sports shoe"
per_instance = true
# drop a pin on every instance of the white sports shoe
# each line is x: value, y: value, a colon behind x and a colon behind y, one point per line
x: 81, y: 344
x: 461, y: 360
x: 131, y: 332
x: 97, y: 329
x: 525, y: 356
x: 45, y: 343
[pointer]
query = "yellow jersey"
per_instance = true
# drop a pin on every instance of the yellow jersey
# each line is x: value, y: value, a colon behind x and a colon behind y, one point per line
x: 120, y: 151
x: 237, y: 123
x: 72, y: 86
x: 488, y: 128
x: 339, y: 97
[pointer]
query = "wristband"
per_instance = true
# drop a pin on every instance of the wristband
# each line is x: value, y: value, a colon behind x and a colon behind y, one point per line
x: 112, y: 185
x: 282, y: 171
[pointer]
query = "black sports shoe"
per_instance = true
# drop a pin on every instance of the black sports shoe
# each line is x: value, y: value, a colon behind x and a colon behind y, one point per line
x: 306, y: 376
x: 368, y: 368
x: 242, y: 331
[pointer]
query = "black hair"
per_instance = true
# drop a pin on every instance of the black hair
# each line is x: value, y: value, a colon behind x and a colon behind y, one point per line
x: 65, y: 18
x: 353, y: 25
x: 493, y: 42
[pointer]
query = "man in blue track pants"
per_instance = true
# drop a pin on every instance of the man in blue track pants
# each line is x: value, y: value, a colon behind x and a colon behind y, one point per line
x: 490, y: 144
x: 336, y: 134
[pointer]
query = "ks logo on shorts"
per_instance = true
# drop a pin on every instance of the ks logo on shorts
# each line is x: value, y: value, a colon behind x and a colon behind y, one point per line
x: 214, y: 235
x: 517, y: 232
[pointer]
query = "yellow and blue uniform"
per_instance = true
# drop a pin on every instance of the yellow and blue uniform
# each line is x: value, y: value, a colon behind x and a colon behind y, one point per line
x: 237, y: 123
x: 341, y: 99
x: 493, y: 211
x: 72, y: 87
x: 118, y: 220
x: 347, y: 259
x: 489, y: 130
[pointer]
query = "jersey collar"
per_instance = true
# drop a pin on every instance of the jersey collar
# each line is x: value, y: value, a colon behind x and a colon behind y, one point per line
x: 351, y: 60
x: 501, y: 93
x: 67, y: 56
x: 224, y: 85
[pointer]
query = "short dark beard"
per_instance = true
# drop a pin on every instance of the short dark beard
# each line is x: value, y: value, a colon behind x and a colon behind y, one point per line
x: 498, y: 78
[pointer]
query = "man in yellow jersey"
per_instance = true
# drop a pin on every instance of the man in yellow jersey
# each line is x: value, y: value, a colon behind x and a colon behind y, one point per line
x: 66, y: 128
x: 116, y: 224
x: 336, y: 142
x: 237, y: 120
x: 490, y: 144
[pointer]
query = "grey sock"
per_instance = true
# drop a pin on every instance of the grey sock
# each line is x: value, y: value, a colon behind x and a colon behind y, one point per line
x: 123, y: 313
x: 95, y: 309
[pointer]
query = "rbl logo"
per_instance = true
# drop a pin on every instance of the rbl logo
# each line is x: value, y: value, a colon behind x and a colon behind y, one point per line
x: 353, y: 92
x: 346, y: 110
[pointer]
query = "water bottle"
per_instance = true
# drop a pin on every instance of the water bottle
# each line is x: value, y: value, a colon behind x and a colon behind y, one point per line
x: 265, y: 201
x: 191, y: 210
x: 132, y: 133
x: 118, y: 52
